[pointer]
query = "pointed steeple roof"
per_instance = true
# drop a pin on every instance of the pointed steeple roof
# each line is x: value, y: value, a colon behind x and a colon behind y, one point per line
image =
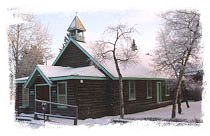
x: 76, y: 24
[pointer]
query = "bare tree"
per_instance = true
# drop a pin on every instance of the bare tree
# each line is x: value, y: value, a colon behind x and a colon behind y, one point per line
x: 179, y: 46
x: 24, y: 37
x: 117, y: 47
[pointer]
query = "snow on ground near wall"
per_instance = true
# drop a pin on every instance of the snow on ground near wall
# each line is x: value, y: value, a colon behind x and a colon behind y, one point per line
x: 193, y: 113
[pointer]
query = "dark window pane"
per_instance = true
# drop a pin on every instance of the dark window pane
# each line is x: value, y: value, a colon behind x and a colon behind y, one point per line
x: 62, y: 99
x: 132, y: 90
x: 61, y: 88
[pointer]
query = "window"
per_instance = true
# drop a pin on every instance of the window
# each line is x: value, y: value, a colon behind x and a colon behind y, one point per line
x: 167, y: 93
x: 149, y: 89
x: 132, y: 90
x: 25, y: 97
x: 62, y: 93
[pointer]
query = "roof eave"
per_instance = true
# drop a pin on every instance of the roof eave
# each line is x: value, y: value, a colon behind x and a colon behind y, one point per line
x: 141, y: 78
x: 77, y: 77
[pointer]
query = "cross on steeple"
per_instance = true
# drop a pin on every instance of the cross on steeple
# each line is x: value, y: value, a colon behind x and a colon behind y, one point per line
x: 76, y: 13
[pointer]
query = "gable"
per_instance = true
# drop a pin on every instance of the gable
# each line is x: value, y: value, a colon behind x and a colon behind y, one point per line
x: 33, y: 77
x: 84, y: 52
x: 72, y: 57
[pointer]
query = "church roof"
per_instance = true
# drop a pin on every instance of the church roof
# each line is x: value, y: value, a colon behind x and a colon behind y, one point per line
x: 76, y: 24
x: 55, y: 73
x: 143, y: 68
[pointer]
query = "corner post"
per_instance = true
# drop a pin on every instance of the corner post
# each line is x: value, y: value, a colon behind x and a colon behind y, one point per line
x: 76, y: 116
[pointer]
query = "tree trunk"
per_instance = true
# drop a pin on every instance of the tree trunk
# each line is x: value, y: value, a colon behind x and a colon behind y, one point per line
x: 179, y: 104
x: 121, y: 97
x: 188, y: 106
x: 173, y: 115
x: 186, y: 98
x: 176, y: 93
x: 120, y: 86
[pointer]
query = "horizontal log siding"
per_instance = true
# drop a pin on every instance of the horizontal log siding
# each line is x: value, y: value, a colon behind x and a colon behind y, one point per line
x: 31, y: 98
x: 18, y: 100
x: 141, y: 103
x: 92, y: 99
x: 71, y: 90
x: 39, y: 80
x: 73, y: 57
x: 18, y: 108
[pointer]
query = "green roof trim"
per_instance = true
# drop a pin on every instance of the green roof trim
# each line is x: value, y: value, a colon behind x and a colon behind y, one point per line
x: 37, y: 69
x: 77, y: 77
x: 86, y: 53
x: 59, y: 55
x: 20, y: 81
x: 139, y: 78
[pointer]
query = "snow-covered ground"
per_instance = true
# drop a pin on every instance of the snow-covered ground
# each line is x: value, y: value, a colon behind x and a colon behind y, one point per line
x: 192, y: 114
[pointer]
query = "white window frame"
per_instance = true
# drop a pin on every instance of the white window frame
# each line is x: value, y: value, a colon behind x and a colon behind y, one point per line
x: 130, y: 97
x: 167, y: 93
x: 149, y: 88
x: 25, y: 102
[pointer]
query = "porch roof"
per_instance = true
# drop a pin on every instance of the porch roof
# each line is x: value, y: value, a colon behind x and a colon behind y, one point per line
x: 21, y: 80
x: 59, y: 71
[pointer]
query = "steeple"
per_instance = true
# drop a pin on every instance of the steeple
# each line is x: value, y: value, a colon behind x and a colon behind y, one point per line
x: 76, y: 30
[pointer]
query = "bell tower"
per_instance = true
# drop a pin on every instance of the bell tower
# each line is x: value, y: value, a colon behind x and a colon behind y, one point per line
x: 76, y: 30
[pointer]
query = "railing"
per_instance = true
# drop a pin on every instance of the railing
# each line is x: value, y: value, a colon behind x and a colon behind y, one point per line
x: 75, y: 109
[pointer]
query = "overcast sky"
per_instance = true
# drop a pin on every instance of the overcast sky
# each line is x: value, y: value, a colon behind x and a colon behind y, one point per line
x: 97, y: 15
x: 146, y: 21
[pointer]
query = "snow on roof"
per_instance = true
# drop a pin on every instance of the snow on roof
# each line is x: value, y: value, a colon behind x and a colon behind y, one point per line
x: 142, y: 68
x: 22, y: 78
x: 59, y: 71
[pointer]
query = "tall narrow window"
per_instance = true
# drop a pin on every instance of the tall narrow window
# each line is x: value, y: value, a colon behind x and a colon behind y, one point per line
x: 25, y: 97
x: 132, y: 90
x: 149, y: 89
x: 62, y: 93
x: 167, y: 93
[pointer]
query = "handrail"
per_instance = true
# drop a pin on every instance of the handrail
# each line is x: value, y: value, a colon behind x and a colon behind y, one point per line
x: 56, y: 103
x: 51, y: 115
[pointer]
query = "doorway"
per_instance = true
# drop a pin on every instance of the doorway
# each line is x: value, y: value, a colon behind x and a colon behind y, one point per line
x: 42, y: 93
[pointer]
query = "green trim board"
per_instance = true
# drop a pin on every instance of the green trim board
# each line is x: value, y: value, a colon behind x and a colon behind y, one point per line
x: 159, y: 92
x: 20, y: 81
x: 37, y: 70
x: 59, y: 55
x: 76, y: 77
x: 86, y: 53
x: 41, y: 84
x: 62, y: 95
x: 139, y: 78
